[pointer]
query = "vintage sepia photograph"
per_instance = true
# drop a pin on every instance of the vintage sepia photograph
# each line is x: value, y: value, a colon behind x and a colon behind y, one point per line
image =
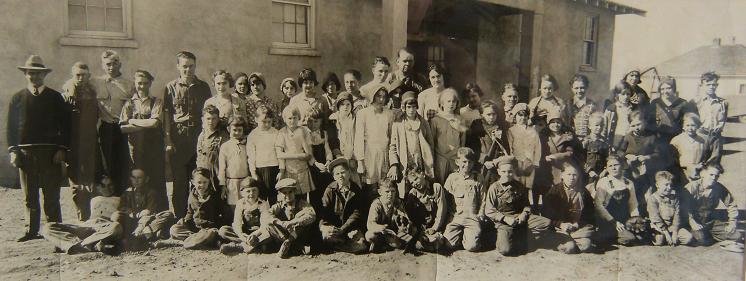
x: 372, y: 139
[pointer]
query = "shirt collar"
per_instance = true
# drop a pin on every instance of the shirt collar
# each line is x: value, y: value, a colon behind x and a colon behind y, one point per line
x: 137, y: 97
x: 31, y: 88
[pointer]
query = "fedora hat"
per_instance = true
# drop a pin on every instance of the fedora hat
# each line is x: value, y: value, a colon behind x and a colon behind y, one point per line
x: 34, y: 62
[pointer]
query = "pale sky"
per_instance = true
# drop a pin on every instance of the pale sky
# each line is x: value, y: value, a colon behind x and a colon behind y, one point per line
x: 671, y: 28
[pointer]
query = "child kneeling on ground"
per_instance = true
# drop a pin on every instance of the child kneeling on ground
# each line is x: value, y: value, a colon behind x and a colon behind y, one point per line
x: 507, y: 205
x: 664, y: 209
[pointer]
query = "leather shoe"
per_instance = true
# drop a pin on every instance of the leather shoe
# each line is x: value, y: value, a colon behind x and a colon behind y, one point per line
x: 28, y: 236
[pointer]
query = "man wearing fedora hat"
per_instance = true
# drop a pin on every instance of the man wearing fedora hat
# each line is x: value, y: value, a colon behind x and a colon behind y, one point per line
x: 37, y: 131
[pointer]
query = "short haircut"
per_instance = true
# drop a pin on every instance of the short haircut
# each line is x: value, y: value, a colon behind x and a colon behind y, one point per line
x: 618, y: 158
x: 185, y: 55
x: 388, y: 184
x: 355, y: 73
x: 663, y: 175
x: 289, y: 111
x: 716, y: 166
x: 248, y: 182
x: 668, y: 80
x: 405, y: 49
x: 636, y: 115
x: 307, y: 74
x: 568, y: 165
x: 238, y: 75
x: 263, y: 111
x: 709, y: 76
x: 596, y: 117
x: 222, y: 73
x: 110, y: 54
x: 80, y: 65
x: 210, y: 109
x: 448, y: 92
x: 144, y: 74
x: 202, y: 172
x: 255, y: 76
x: 548, y: 78
x: 579, y: 78
x: 381, y: 60
x: 329, y: 79
x: 620, y: 88
x: 238, y: 122
x: 138, y: 169
x: 691, y: 117
x: 471, y: 87
x: 465, y: 152
x: 488, y: 104
x: 411, y: 101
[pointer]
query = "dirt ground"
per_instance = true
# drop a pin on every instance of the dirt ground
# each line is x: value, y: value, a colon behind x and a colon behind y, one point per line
x: 34, y: 260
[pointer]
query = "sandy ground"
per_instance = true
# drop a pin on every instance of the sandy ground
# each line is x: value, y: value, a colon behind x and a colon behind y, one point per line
x: 34, y: 260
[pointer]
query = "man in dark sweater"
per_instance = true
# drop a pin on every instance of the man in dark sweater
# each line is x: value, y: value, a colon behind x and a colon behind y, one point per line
x: 37, y: 130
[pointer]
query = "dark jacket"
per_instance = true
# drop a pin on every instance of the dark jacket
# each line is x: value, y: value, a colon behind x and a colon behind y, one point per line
x: 41, y: 119
x: 558, y: 208
x: 212, y: 213
x: 344, y: 213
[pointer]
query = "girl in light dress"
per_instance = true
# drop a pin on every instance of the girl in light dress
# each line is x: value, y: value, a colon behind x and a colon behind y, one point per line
x: 294, y: 152
x: 524, y: 143
x: 449, y: 134
x: 372, y: 134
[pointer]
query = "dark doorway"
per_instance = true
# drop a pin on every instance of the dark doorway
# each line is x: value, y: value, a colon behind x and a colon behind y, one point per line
x: 476, y: 42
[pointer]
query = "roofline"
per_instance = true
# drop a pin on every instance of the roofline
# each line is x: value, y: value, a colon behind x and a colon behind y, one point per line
x: 614, y: 7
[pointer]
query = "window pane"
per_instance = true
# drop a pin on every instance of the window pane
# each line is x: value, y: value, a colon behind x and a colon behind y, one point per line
x: 76, y: 17
x: 276, y: 12
x: 289, y: 33
x: 96, y: 3
x: 300, y: 30
x: 300, y: 14
x: 95, y: 19
x: 76, y: 2
x: 289, y: 13
x: 114, y: 20
x: 587, y: 53
x: 113, y: 3
x: 588, y: 28
x: 277, y: 32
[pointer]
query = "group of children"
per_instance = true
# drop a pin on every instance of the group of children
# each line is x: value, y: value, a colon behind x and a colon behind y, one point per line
x: 361, y: 171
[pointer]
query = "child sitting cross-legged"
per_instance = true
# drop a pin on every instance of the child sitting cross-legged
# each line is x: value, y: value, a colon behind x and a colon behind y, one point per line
x: 206, y: 212
x: 246, y: 218
x: 286, y: 222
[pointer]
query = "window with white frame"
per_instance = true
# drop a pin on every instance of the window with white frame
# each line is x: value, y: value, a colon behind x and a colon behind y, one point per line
x: 99, y: 18
x: 293, y: 23
x: 436, y: 55
x: 590, y: 42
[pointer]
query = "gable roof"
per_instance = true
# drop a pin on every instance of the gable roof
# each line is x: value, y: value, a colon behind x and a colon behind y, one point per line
x: 723, y: 59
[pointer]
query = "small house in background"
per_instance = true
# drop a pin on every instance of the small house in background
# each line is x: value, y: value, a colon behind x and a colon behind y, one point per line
x: 488, y: 41
x: 727, y: 60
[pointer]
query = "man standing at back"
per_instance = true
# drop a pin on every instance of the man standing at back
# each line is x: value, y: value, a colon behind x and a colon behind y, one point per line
x: 183, y: 100
x: 38, y: 136
x: 112, y: 91
x: 404, y: 77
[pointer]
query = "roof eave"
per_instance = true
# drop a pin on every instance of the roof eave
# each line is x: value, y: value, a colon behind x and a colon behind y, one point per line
x: 616, y: 8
